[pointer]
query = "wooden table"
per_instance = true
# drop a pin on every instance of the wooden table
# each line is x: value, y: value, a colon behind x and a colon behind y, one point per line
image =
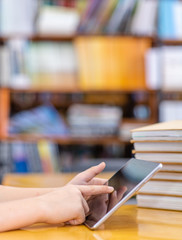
x: 129, y: 222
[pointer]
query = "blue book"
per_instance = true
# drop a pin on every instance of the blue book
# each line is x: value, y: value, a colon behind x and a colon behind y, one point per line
x: 19, y: 158
x: 166, y: 25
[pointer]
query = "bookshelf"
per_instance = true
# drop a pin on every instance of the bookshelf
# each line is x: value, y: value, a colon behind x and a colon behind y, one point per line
x: 109, y: 69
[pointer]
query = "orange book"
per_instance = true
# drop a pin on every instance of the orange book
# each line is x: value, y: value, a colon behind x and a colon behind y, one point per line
x: 111, y: 63
x: 4, y: 111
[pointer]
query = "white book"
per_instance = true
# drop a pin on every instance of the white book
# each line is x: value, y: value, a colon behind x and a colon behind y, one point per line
x: 171, y: 68
x: 144, y: 19
x: 170, y: 110
x: 159, y: 187
x: 159, y: 131
x: 153, y: 68
x: 57, y: 20
x: 158, y: 146
x: 160, y: 202
x: 172, y: 176
x: 160, y: 157
x: 5, y: 69
x: 17, y: 17
x: 177, y: 9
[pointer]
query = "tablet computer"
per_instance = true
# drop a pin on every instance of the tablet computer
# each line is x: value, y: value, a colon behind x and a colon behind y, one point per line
x: 126, y: 182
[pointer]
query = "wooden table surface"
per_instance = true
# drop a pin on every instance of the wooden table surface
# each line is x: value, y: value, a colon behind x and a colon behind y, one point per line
x: 128, y: 223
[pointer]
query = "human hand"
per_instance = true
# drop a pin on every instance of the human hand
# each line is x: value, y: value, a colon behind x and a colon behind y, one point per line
x: 87, y: 177
x: 115, y: 197
x: 68, y: 204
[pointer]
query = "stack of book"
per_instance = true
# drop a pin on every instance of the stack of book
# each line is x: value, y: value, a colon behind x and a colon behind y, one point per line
x: 94, y: 121
x: 161, y: 142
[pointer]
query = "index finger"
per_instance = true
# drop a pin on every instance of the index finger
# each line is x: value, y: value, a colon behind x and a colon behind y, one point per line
x: 88, y: 190
x: 90, y: 173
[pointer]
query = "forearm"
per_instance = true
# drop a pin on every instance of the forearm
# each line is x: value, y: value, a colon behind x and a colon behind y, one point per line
x: 19, y: 213
x: 15, y: 193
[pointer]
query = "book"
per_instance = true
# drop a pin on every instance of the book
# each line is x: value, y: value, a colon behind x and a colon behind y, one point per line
x: 5, y: 70
x: 4, y: 111
x: 166, y: 27
x: 48, y: 153
x: 162, y: 187
x: 89, y: 120
x: 105, y: 63
x: 171, y: 67
x: 160, y: 202
x: 30, y: 69
x: 170, y: 110
x: 170, y: 130
x: 172, y: 176
x: 57, y: 20
x: 152, y: 68
x: 157, y: 145
x: 39, y: 121
x: 122, y: 10
x: 145, y: 10
x: 161, y: 142
x: 163, y: 157
x: 17, y: 17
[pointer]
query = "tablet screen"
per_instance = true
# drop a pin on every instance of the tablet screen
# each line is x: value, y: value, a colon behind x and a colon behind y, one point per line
x: 124, y: 181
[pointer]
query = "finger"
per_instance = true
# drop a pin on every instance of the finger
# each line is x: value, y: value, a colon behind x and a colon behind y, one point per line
x: 79, y: 219
x: 120, y: 192
x: 88, y: 190
x: 85, y: 206
x: 90, y: 173
x: 98, y: 181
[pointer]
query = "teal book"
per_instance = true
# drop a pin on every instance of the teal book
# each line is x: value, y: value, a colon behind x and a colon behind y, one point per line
x: 166, y: 23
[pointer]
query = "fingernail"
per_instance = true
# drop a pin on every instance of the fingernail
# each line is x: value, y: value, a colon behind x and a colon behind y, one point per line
x: 111, y: 189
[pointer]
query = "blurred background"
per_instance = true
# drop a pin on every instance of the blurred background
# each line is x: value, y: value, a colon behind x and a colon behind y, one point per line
x: 76, y: 76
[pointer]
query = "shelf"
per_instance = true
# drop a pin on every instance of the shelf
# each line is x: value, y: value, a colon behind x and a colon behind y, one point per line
x: 66, y: 140
x: 75, y: 90
x: 49, y: 37
x: 171, y: 41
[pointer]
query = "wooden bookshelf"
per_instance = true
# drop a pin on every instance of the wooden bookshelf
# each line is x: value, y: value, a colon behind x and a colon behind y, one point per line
x: 107, y: 140
x: 59, y: 38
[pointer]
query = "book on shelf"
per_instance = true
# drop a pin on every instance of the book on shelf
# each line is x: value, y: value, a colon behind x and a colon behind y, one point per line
x: 41, y: 64
x: 170, y: 28
x: 171, y: 67
x: 39, y: 121
x: 29, y: 157
x: 170, y: 110
x: 120, y: 16
x: 144, y: 21
x: 57, y: 20
x: 17, y: 17
x: 106, y: 63
x: 88, y: 120
x: 153, y: 65
x: 163, y: 68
